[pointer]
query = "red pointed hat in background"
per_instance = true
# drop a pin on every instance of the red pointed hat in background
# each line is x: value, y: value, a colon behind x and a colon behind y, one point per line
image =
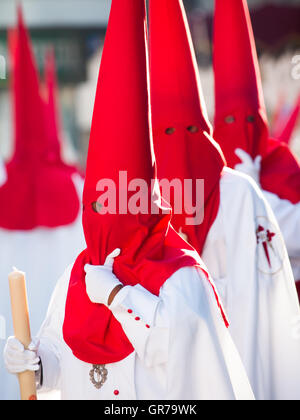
x: 120, y: 141
x: 240, y: 114
x: 37, y: 192
x: 52, y: 115
x: 183, y: 146
x: 54, y: 127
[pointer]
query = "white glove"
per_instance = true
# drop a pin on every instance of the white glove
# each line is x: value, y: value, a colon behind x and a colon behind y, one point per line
x: 249, y: 166
x: 100, y: 280
x: 17, y: 359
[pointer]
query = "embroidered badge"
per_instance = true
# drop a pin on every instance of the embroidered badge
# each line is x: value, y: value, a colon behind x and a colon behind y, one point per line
x: 98, y: 375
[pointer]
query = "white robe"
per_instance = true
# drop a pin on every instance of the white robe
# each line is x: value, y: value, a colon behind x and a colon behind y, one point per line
x: 43, y: 254
x: 288, y: 217
x: 187, y: 353
x: 260, y: 300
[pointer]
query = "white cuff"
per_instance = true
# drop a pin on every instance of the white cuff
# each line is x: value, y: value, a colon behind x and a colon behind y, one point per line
x: 137, y: 299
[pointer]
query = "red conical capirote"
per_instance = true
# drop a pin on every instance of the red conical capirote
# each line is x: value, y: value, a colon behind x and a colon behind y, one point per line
x: 240, y: 114
x: 120, y: 142
x: 53, y: 146
x: 183, y: 146
x: 37, y: 193
x: 176, y: 96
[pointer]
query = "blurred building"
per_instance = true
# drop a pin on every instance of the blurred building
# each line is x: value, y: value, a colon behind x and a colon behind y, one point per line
x: 76, y: 29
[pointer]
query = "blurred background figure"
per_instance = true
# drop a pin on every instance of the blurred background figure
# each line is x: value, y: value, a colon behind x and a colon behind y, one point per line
x: 76, y: 29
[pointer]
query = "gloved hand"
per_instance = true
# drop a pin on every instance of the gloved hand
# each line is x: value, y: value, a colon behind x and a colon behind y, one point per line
x: 17, y: 359
x: 100, y: 280
x: 249, y: 166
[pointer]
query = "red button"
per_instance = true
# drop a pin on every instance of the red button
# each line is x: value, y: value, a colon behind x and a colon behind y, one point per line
x: 116, y: 392
x: 147, y: 326
x: 137, y: 318
x: 130, y: 311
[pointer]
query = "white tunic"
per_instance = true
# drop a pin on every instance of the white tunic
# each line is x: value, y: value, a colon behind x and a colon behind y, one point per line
x: 246, y: 256
x: 288, y: 217
x: 43, y: 254
x: 182, y: 347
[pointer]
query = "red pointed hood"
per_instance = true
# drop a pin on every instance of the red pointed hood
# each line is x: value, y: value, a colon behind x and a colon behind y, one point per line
x: 183, y: 146
x: 53, y: 122
x: 120, y: 141
x: 36, y: 194
x: 240, y: 114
